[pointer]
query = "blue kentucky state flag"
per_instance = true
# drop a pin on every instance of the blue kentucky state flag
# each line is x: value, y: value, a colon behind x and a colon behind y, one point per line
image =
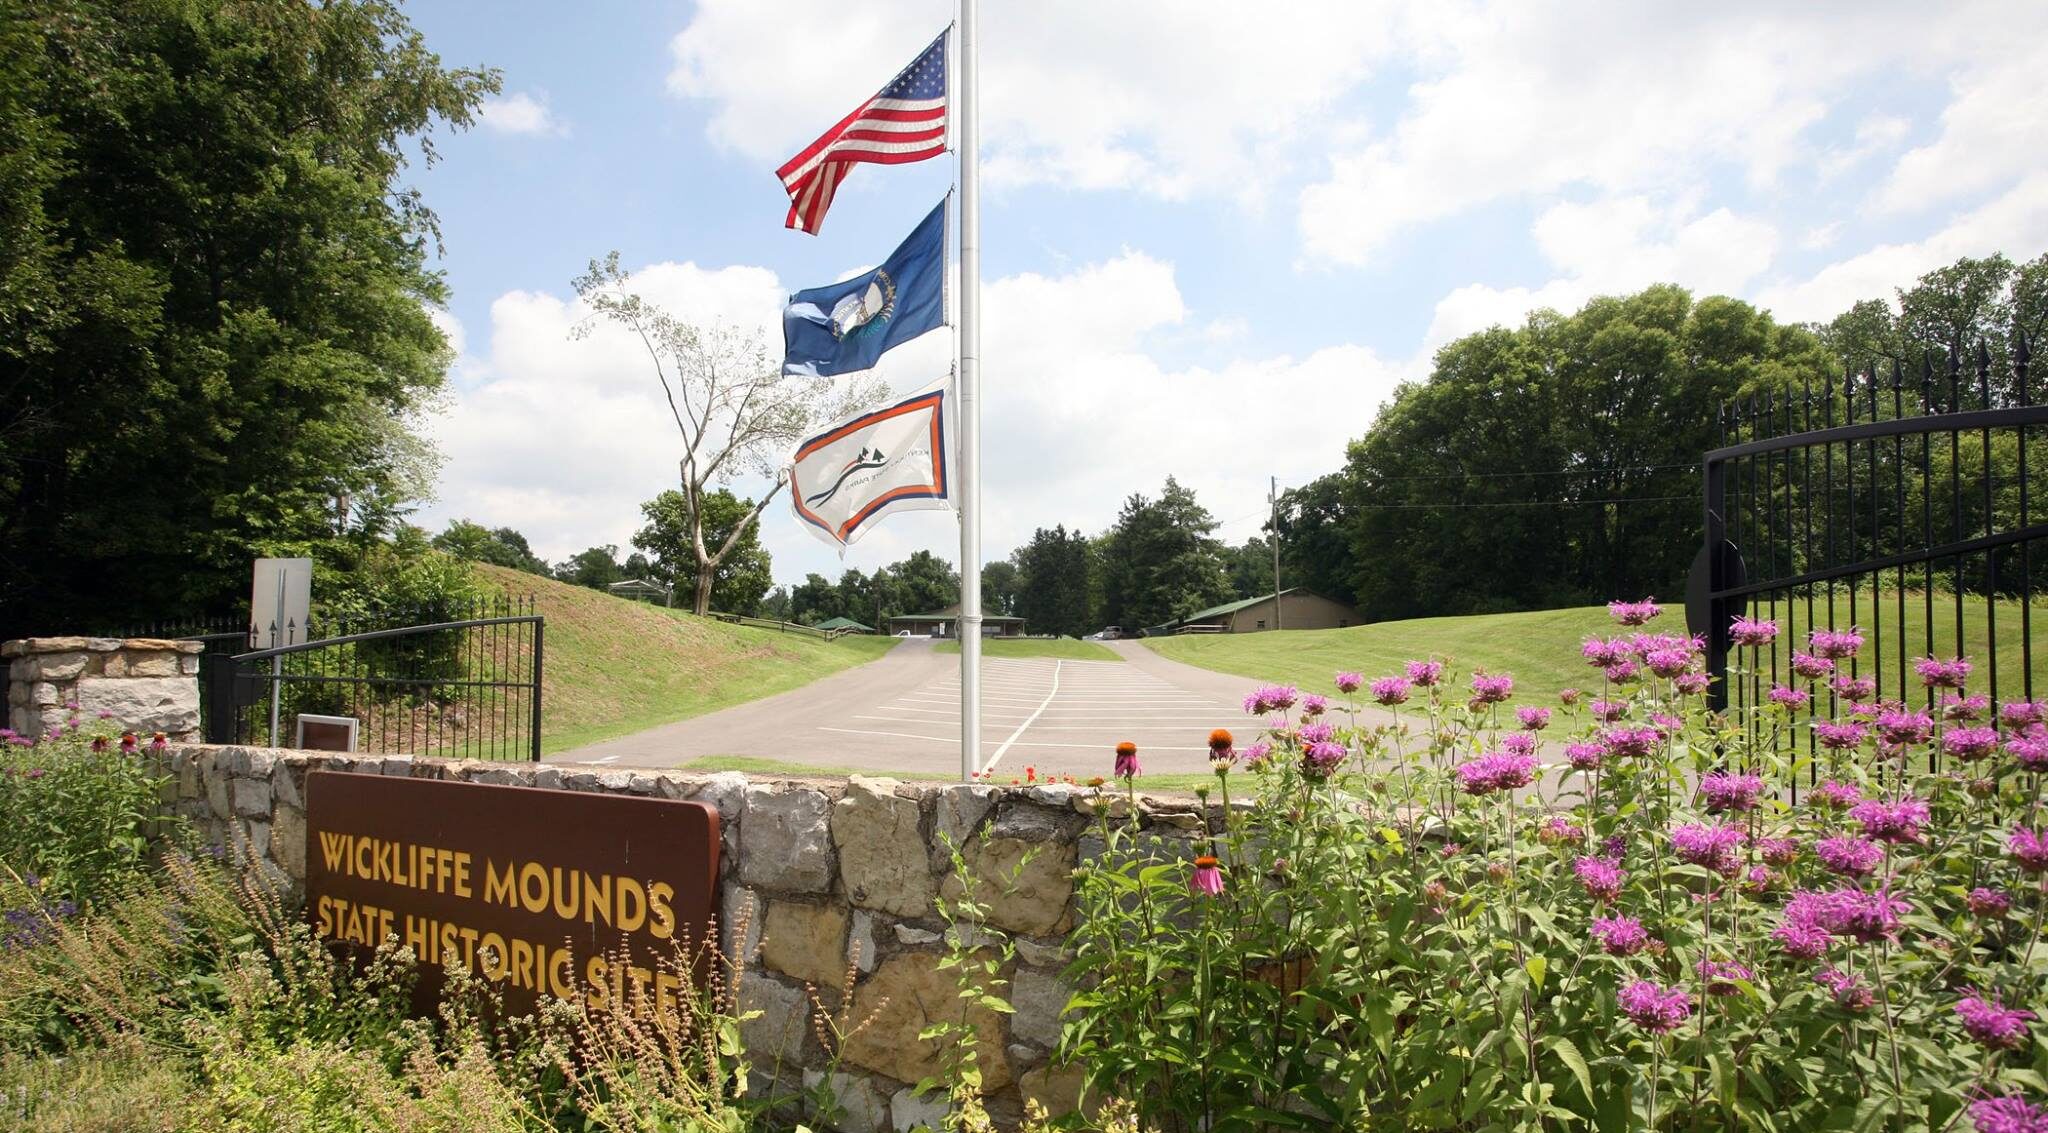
x: 847, y: 326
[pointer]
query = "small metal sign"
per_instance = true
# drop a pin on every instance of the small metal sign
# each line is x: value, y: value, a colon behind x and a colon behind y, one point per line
x: 605, y: 900
x: 327, y: 733
x: 280, y: 601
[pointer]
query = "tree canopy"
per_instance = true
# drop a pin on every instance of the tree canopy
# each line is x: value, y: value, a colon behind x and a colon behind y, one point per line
x: 738, y: 579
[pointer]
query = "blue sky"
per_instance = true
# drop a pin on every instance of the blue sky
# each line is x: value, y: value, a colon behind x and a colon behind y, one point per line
x: 1212, y: 245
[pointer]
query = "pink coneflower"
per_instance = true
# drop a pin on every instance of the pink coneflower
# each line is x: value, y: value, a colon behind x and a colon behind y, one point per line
x: 1619, y: 936
x: 1902, y: 729
x: 1533, y: 718
x: 1569, y: 697
x: 129, y: 743
x: 1848, y: 855
x: 101, y: 743
x: 1723, y: 792
x: 1839, y: 737
x: 1848, y: 992
x: 1620, y: 673
x: 1811, y: 667
x: 1222, y: 751
x: 1586, y: 756
x: 1425, y: 674
x: 1779, y: 852
x: 1938, y: 673
x: 157, y: 742
x: 1602, y: 652
x: 1969, y: 744
x: 1835, y: 644
x: 1692, y: 682
x: 1653, y: 1008
x: 1492, y: 689
x: 1855, y: 690
x: 1207, y: 879
x: 1608, y: 711
x: 1390, y: 690
x: 1984, y: 902
x: 2029, y: 848
x: 1349, y: 682
x: 1891, y: 822
x: 1127, y: 760
x: 1992, y: 1023
x: 1314, y: 704
x: 1833, y: 795
x: 1711, y: 845
x: 1634, y: 613
x: 1601, y: 876
x: 1723, y: 977
x: 1964, y: 708
x: 1792, y: 698
x: 1752, y: 632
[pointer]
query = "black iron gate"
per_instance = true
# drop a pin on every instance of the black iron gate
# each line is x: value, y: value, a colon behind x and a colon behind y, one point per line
x: 467, y: 689
x: 1900, y: 505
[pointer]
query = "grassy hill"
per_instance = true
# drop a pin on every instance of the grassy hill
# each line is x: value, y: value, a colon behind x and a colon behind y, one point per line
x: 1064, y: 648
x: 1541, y: 647
x: 615, y: 667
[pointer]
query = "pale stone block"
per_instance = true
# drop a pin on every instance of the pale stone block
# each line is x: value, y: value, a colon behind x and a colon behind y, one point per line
x: 1039, y: 998
x: 785, y: 842
x: 911, y: 1113
x: 863, y: 1107
x: 1037, y: 903
x: 882, y: 860
x: 860, y: 941
x: 908, y: 993
x: 288, y: 841
x: 146, y: 704
x: 782, y: 1030
x: 807, y: 942
x: 251, y: 797
x: 59, y: 666
x: 1059, y: 1089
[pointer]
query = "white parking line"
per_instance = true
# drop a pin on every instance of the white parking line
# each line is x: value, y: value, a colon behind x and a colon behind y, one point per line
x: 1054, y: 691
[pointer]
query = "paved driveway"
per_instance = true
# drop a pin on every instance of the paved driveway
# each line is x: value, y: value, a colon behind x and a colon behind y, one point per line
x: 902, y: 713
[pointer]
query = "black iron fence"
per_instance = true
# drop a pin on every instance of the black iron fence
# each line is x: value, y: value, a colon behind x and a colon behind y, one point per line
x: 461, y: 687
x: 1900, y: 502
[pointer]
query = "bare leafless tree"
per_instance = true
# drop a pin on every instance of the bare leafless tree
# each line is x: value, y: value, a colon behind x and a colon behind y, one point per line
x: 737, y: 411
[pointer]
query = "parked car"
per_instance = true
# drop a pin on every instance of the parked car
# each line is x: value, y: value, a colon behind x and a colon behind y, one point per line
x: 1106, y: 633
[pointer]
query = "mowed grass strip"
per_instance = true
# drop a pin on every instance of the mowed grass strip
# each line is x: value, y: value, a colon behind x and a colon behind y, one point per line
x: 1063, y: 648
x: 614, y: 667
x: 752, y: 765
x: 1541, y: 647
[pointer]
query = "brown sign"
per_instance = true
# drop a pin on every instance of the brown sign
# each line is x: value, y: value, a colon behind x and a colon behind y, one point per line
x: 600, y: 899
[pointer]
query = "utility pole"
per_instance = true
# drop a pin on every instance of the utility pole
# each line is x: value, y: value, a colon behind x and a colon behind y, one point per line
x: 1273, y: 521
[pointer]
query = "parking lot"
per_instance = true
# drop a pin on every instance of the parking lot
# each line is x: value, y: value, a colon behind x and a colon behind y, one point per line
x: 902, y: 714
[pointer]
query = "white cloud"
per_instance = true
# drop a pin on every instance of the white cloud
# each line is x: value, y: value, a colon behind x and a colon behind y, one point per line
x: 1169, y: 98
x: 1991, y: 129
x: 522, y: 114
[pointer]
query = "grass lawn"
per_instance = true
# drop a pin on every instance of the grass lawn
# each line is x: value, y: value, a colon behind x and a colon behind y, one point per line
x: 615, y: 667
x: 1064, y: 648
x: 751, y: 765
x: 1541, y: 647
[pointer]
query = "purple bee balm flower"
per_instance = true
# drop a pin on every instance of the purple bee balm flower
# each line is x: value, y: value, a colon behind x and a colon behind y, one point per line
x: 1724, y: 792
x: 1800, y: 939
x: 1619, y: 936
x: 1390, y: 690
x: 1569, y: 697
x: 1721, y: 977
x: 1692, y: 682
x: 1839, y: 737
x: 1314, y: 704
x: 2019, y: 713
x: 1495, y: 771
x: 1630, y: 743
x: 1811, y: 667
x: 1779, y: 852
x: 1868, y: 917
x: 1992, y: 1023
x: 1518, y: 743
x: 1964, y: 708
x: 2031, y: 752
x: 1585, y: 757
x: 1937, y: 673
x: 1969, y: 744
x: 1207, y: 878
x: 1855, y: 690
x: 1902, y: 728
x: 1620, y: 673
x: 1835, y: 644
x: 2029, y: 848
x: 35, y: 773
x: 1653, y: 1008
x: 1989, y: 902
x: 1668, y: 663
x: 1492, y: 689
x: 1349, y: 682
x: 1634, y: 613
x: 1320, y: 760
x: 1608, y: 711
x: 2007, y: 1115
x: 1712, y: 846
x: 1316, y: 733
x: 1558, y: 830
x: 1667, y: 724
x: 1848, y: 855
x: 1891, y: 822
x: 105, y: 714
x: 1425, y: 674
x: 1752, y: 632
x: 1601, y: 877
x: 70, y: 706
x: 1601, y: 652
x: 1256, y: 755
x: 1533, y: 718
x: 1832, y: 795
x: 1848, y: 992
x: 1792, y: 698
x: 1271, y: 698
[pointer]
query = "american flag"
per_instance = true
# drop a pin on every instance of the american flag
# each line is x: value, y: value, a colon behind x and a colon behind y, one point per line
x: 904, y: 122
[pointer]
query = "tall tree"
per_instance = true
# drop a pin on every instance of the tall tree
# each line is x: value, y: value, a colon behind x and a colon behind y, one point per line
x: 999, y: 582
x: 815, y: 600
x: 1313, y: 550
x: 735, y: 410
x: 502, y: 546
x: 924, y: 583
x: 1055, y: 582
x: 1162, y: 561
x: 1251, y: 569
x: 596, y: 568
x: 743, y: 572
x: 214, y: 293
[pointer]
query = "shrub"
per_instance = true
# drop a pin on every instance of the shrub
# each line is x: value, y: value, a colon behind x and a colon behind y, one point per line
x: 1430, y: 921
x: 76, y: 809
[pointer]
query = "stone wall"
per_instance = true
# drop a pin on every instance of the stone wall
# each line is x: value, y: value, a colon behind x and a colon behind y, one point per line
x: 146, y: 684
x: 816, y: 878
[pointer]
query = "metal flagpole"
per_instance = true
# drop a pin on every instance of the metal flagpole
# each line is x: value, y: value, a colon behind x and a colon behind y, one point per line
x: 969, y: 623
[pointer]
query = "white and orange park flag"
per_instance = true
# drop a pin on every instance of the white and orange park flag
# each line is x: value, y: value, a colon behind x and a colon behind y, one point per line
x: 874, y: 464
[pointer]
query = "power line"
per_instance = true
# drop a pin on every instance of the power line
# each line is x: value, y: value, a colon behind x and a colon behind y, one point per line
x: 1590, y: 471
x: 1528, y: 503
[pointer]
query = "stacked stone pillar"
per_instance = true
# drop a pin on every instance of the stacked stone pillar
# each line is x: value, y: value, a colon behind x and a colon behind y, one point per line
x: 145, y: 685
